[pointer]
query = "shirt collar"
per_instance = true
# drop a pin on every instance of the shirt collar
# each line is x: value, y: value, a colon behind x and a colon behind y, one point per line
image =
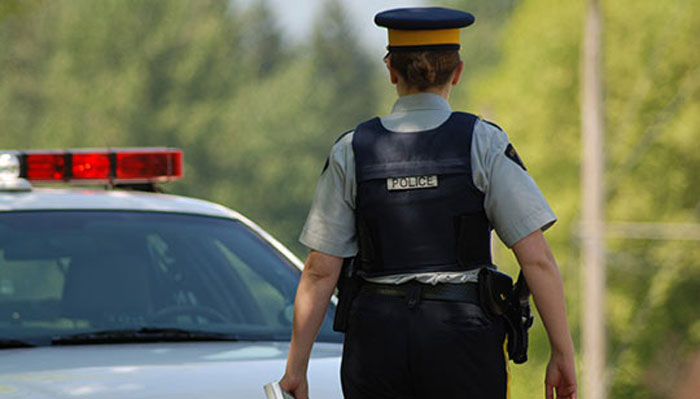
x: 421, y: 101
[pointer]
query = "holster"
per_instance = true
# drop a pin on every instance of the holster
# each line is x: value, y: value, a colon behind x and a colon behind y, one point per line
x: 348, y: 287
x: 499, y: 298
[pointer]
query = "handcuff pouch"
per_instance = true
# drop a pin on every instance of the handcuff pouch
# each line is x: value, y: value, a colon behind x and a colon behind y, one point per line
x: 495, y: 289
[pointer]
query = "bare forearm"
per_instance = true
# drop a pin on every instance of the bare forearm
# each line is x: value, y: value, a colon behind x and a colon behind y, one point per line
x: 548, y: 293
x: 543, y: 278
x: 317, y: 283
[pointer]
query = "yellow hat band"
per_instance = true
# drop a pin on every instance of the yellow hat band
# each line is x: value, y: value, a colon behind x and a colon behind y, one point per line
x: 429, y: 37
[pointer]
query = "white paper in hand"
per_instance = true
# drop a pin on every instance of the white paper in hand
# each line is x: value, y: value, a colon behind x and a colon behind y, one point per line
x: 273, y: 391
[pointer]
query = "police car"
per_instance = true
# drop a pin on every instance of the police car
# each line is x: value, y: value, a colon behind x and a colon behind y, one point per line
x: 125, y: 293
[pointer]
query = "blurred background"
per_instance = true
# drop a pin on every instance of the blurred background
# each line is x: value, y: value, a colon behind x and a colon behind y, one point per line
x: 256, y: 92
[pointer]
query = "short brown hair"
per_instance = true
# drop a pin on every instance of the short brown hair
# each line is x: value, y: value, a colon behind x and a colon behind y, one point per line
x: 424, y: 69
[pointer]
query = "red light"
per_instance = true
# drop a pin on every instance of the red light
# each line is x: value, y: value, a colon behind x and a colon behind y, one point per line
x: 91, y: 166
x: 158, y: 165
x: 46, y: 166
x: 133, y: 165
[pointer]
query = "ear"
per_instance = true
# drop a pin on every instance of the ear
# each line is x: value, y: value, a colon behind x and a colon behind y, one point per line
x: 393, y: 76
x: 458, y: 73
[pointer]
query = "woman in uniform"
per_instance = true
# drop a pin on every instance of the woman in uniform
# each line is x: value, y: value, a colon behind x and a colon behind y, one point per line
x: 413, y: 197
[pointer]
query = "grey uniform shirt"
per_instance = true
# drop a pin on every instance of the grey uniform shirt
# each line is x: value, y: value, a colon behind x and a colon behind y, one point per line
x: 514, y: 204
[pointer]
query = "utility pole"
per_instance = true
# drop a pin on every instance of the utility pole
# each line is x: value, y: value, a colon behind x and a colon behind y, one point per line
x: 593, y: 256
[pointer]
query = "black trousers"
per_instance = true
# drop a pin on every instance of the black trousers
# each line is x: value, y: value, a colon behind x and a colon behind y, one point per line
x: 395, y: 349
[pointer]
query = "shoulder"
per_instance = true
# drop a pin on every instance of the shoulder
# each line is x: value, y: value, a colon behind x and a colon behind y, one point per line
x: 484, y: 130
x: 344, y: 135
x: 499, y: 143
x: 343, y: 142
x: 489, y: 137
x: 489, y: 129
x: 490, y: 143
x: 491, y: 124
x: 341, y: 152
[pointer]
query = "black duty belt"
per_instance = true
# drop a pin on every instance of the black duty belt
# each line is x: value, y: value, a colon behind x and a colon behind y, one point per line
x: 466, y: 292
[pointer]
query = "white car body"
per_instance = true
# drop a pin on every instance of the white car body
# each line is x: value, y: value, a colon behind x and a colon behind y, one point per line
x: 161, y: 370
x: 231, y: 370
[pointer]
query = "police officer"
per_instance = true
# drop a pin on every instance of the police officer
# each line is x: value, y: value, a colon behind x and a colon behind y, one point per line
x: 413, y: 196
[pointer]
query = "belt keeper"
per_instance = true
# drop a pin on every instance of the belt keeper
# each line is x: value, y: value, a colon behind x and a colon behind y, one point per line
x: 413, y: 295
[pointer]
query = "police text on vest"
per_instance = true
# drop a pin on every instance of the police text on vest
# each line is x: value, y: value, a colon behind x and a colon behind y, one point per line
x: 411, y: 182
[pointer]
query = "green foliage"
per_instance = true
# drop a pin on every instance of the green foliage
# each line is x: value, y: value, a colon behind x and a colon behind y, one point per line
x: 652, y: 129
x: 260, y: 45
x: 481, y: 42
x: 115, y: 73
x: 10, y: 8
x: 342, y: 69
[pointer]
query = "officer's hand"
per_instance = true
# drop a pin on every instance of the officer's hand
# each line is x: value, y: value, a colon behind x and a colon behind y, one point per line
x: 561, y: 375
x: 295, y: 385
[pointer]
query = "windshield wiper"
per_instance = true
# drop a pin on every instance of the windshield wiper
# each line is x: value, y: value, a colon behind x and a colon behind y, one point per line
x: 144, y: 334
x: 14, y: 343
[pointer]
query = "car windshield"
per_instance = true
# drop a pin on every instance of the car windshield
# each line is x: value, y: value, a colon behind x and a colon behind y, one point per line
x: 68, y: 273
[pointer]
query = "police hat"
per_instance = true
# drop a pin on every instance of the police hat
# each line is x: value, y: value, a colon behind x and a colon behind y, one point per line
x: 423, y: 28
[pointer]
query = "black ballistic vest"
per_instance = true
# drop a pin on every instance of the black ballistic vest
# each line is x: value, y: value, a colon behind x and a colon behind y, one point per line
x: 417, y: 208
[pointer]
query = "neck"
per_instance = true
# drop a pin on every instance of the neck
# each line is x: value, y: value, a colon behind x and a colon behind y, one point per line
x: 442, y: 91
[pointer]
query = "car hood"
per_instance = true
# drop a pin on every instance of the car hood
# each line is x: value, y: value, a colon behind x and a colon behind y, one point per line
x: 209, y: 370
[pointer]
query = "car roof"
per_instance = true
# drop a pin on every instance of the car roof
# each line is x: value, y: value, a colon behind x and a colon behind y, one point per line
x: 95, y: 199
x: 41, y: 199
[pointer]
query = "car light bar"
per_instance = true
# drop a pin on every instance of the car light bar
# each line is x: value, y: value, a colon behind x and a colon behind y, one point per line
x: 132, y: 165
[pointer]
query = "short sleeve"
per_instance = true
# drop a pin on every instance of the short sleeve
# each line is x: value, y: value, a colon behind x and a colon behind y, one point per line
x: 330, y: 225
x: 514, y: 204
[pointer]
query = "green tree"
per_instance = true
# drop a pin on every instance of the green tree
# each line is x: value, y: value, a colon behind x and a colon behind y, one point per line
x: 481, y: 43
x: 343, y: 72
x: 10, y: 8
x: 286, y: 123
x: 88, y: 73
x: 260, y: 43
